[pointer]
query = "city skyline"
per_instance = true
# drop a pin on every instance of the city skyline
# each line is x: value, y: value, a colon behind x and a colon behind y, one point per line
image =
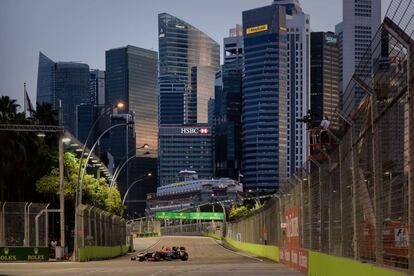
x: 25, y: 29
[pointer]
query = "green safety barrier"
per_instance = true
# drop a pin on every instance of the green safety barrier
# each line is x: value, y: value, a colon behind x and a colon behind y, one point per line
x: 101, y: 252
x: 214, y: 236
x: 10, y: 254
x: 322, y: 264
x: 190, y: 215
x: 146, y: 235
x: 267, y: 251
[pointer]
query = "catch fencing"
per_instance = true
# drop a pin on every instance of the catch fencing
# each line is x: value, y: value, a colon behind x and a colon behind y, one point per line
x: 354, y: 197
x: 197, y: 228
x: 23, y: 224
x: 100, y: 228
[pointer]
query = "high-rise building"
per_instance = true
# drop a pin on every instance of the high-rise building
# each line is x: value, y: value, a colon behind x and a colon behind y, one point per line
x: 171, y: 101
x: 84, y: 121
x: 360, y: 22
x: 228, y: 105
x: 324, y: 76
x: 97, y: 87
x: 131, y: 78
x: 67, y: 82
x: 264, y: 105
x: 46, y: 80
x: 340, y: 33
x: 185, y: 147
x: 298, y: 81
x: 191, y: 57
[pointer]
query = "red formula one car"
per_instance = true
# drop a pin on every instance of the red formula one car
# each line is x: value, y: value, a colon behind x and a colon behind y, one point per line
x: 166, y: 253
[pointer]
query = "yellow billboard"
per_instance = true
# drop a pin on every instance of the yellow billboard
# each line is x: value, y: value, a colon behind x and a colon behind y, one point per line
x: 257, y: 29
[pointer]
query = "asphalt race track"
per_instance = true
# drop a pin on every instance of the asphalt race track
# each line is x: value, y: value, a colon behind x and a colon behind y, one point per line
x: 206, y: 257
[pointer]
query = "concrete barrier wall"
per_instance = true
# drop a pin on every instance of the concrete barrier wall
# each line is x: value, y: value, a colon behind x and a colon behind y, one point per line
x: 322, y: 264
x: 319, y: 264
x: 101, y: 252
x: 270, y: 252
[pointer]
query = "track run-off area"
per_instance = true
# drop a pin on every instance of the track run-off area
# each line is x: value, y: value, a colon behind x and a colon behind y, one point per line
x: 206, y: 257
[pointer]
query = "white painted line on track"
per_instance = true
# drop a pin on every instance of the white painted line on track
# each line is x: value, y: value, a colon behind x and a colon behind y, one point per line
x: 238, y: 253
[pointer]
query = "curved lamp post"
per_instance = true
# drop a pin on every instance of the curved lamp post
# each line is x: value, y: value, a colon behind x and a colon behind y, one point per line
x: 120, y: 167
x: 132, y: 184
x: 90, y: 153
x: 79, y: 187
x: 118, y: 105
x: 224, y: 215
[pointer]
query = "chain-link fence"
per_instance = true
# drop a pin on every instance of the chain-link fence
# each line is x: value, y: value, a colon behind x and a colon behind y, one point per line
x: 197, y: 228
x: 143, y: 226
x: 354, y: 196
x: 23, y: 224
x: 100, y: 228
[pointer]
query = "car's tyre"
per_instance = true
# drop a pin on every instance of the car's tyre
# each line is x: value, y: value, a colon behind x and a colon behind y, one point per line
x: 141, y: 259
x: 184, y: 257
x: 157, y: 256
x: 133, y: 258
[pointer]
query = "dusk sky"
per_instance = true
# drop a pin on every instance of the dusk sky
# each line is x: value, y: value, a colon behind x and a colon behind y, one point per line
x: 82, y: 30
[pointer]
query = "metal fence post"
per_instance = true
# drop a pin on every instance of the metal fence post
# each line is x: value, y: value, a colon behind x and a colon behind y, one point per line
x: 410, y: 180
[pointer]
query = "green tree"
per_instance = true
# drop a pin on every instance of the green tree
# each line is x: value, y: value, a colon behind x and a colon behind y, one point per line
x: 95, y: 191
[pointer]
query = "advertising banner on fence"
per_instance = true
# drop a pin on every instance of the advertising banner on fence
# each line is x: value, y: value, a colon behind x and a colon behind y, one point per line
x: 10, y: 254
x: 291, y: 253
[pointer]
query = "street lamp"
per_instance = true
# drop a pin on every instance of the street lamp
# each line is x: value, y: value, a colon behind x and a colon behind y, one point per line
x: 79, y: 187
x: 224, y: 215
x: 110, y: 108
x: 90, y: 153
x: 133, y: 183
x: 120, y: 167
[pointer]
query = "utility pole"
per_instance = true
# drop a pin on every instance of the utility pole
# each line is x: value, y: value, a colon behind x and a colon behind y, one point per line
x: 61, y: 181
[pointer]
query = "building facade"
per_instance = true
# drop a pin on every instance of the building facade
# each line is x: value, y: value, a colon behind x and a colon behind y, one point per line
x: 191, y: 57
x: 298, y: 81
x: 131, y: 78
x: 171, y: 100
x: 67, y: 82
x: 97, y: 87
x: 185, y: 147
x: 46, y: 81
x: 228, y: 108
x: 264, y: 103
x: 324, y: 76
x: 360, y: 22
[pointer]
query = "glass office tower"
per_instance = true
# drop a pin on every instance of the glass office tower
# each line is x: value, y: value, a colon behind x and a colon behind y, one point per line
x: 131, y: 77
x: 46, y: 80
x: 228, y: 105
x: 264, y: 108
x: 324, y: 76
x: 171, y: 100
x: 65, y: 81
x: 191, y: 56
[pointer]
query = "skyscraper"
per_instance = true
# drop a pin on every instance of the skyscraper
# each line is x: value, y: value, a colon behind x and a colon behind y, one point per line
x: 298, y: 81
x: 97, y: 87
x: 264, y: 113
x: 46, y: 80
x: 186, y: 147
x: 190, y: 57
x: 324, y: 75
x: 171, y: 100
x: 228, y: 105
x: 63, y: 81
x: 361, y: 20
x: 131, y: 77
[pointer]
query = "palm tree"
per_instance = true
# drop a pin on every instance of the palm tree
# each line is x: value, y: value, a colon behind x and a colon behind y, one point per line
x: 8, y: 109
x: 45, y: 115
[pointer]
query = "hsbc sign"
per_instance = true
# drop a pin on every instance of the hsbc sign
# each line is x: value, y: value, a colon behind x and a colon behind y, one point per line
x: 194, y: 130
